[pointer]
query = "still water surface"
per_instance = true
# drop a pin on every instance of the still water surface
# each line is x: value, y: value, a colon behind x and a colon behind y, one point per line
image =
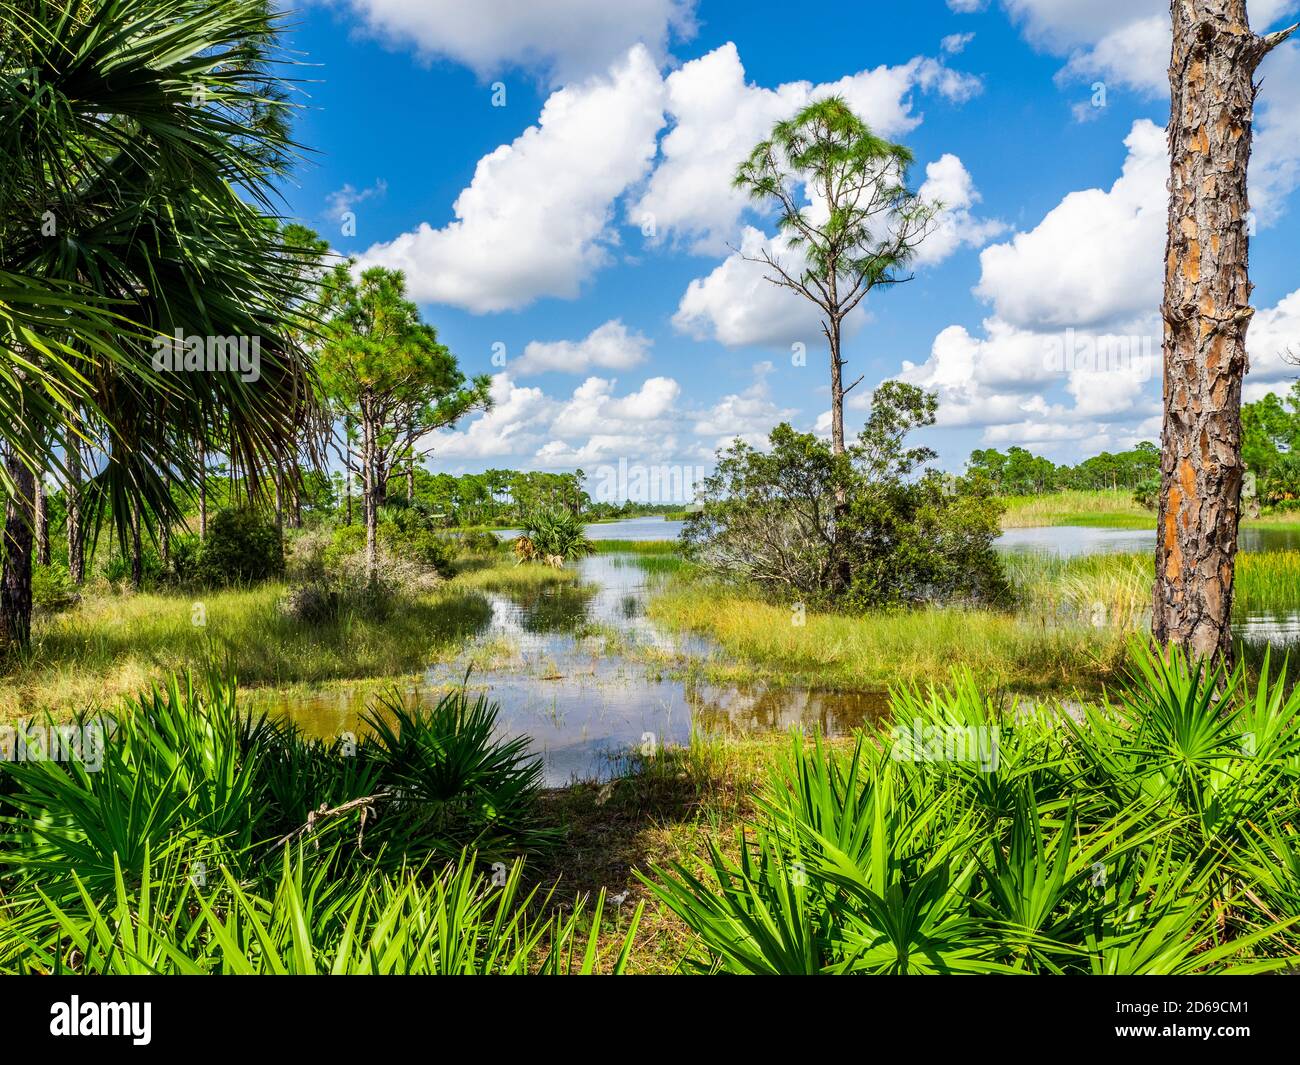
x: 569, y: 685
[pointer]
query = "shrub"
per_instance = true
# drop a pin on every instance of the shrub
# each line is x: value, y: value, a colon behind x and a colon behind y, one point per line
x: 328, y: 572
x: 185, y: 555
x: 116, y: 568
x: 226, y: 820
x: 242, y: 547
x: 1147, y: 493
x: 424, y: 546
x: 477, y: 541
x: 858, y: 529
x: 52, y: 589
x: 1155, y: 836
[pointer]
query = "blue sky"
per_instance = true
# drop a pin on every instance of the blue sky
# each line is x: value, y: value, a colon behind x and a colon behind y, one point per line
x: 584, y: 231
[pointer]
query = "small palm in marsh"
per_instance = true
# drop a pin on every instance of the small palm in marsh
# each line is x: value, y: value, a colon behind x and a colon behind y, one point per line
x: 553, y: 537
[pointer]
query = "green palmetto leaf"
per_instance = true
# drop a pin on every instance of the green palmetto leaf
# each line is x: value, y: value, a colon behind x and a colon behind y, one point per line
x: 139, y: 144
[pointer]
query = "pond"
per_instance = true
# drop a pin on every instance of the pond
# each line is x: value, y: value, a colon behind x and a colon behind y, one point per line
x: 1070, y: 541
x: 648, y: 528
x: 581, y: 670
x: 586, y: 675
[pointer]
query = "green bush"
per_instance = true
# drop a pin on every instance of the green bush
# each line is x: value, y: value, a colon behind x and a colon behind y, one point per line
x: 1147, y: 493
x: 192, y: 837
x: 1157, y: 835
x: 242, y: 547
x: 424, y: 546
x: 116, y: 568
x: 52, y: 589
x: 186, y: 551
x: 345, y: 540
x: 551, y: 536
x: 865, y: 528
x: 473, y: 541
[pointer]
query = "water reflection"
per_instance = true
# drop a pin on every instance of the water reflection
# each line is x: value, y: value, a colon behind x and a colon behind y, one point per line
x: 588, y: 677
x: 1070, y: 541
x: 1073, y: 541
x: 585, y: 682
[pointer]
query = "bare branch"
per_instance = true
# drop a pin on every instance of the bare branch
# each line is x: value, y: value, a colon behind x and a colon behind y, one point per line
x: 1270, y: 41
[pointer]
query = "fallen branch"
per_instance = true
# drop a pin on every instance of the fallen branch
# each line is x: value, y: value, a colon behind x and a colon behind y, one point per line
x: 365, y: 804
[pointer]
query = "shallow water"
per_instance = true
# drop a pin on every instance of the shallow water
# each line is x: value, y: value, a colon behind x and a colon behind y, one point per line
x: 582, y: 671
x: 1070, y: 541
x: 586, y: 677
x: 650, y: 528
x: 1281, y: 628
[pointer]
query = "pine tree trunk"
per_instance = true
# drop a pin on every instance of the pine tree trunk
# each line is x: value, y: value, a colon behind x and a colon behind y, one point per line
x: 347, y: 483
x: 137, y: 550
x: 1206, y: 312
x: 76, y: 535
x: 410, y: 467
x: 203, y: 489
x: 165, y: 532
x: 837, y: 391
x: 16, y: 574
x: 370, y: 488
x: 42, y: 517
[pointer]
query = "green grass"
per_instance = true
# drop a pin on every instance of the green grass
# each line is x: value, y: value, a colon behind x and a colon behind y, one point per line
x: 1117, y: 587
x: 1103, y: 508
x: 1067, y: 630
x: 874, y: 651
x: 637, y: 547
x: 498, y: 576
x: 110, y: 645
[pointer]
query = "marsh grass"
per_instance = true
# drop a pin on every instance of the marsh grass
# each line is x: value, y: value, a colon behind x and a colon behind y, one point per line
x: 637, y: 547
x: 879, y: 649
x: 1104, y: 509
x: 1068, y: 627
x: 506, y: 577
x: 1115, y: 589
x: 1071, y: 507
x: 110, y: 645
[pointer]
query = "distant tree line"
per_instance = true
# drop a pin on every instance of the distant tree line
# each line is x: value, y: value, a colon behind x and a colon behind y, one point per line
x: 1271, y: 447
x: 1017, y: 471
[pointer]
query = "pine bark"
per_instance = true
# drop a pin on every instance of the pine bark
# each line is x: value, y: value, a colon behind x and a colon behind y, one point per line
x: 16, y: 572
x: 1206, y: 314
x: 42, y: 518
x: 76, y: 534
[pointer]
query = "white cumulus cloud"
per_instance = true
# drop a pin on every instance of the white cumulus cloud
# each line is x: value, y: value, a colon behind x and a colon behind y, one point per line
x: 536, y: 220
x: 1095, y: 258
x: 563, y: 38
x: 611, y: 346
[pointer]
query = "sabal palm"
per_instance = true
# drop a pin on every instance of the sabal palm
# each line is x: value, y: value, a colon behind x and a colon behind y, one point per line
x: 139, y: 143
